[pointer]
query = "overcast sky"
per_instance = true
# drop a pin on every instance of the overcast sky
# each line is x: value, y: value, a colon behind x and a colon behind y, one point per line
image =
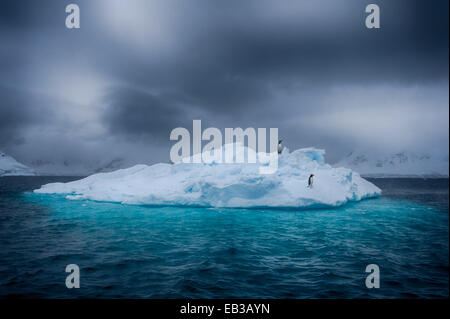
x: 136, y: 69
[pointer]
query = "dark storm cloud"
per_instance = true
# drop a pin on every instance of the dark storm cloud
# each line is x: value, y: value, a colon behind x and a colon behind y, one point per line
x: 19, y: 110
x: 156, y: 65
x: 31, y: 16
x: 232, y: 65
x: 133, y: 112
x: 15, y: 14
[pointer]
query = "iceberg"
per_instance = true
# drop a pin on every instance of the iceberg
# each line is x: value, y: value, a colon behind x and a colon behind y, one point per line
x: 225, y: 185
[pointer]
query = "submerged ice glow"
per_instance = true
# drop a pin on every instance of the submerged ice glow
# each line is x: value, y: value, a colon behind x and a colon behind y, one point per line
x: 225, y: 185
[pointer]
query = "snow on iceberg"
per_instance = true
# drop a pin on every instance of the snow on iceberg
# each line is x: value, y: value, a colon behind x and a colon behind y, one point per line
x: 225, y: 185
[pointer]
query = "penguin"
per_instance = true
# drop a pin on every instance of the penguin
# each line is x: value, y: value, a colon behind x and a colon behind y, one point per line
x: 310, y: 181
x: 280, y: 147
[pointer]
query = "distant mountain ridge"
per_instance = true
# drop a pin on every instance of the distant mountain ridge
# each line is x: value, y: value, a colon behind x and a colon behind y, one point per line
x: 78, y: 168
x: 401, y: 164
x: 10, y: 167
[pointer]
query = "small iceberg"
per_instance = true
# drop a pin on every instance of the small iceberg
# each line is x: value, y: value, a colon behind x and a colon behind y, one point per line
x: 225, y: 185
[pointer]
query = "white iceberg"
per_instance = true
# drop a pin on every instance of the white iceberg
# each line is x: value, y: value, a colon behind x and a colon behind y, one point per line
x: 225, y: 185
x: 10, y: 167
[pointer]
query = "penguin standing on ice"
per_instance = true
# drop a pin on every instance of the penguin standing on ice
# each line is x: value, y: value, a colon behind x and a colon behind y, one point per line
x: 310, y: 181
x: 280, y: 147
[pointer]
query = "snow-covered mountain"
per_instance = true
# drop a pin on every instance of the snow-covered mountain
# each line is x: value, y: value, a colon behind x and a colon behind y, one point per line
x: 402, y: 164
x: 78, y: 168
x: 10, y: 167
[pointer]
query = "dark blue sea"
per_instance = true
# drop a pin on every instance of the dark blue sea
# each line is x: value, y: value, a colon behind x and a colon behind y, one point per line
x: 176, y: 252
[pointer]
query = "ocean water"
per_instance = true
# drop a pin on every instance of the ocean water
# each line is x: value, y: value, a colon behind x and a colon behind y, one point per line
x: 178, y: 252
